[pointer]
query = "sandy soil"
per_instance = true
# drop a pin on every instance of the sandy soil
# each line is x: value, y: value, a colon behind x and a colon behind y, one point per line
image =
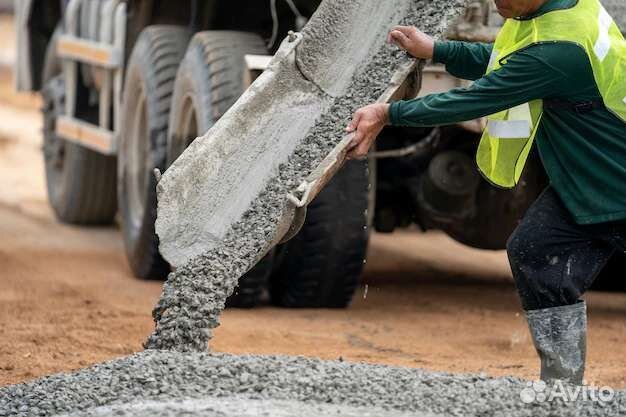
x: 68, y: 298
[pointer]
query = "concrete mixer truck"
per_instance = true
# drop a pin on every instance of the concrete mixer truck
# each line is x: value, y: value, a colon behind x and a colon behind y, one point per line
x: 127, y: 85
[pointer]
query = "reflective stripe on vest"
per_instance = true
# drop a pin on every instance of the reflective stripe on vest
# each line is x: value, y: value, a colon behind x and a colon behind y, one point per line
x: 509, y: 135
x: 518, y: 125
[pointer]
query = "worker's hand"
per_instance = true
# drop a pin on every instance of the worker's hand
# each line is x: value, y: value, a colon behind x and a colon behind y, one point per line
x: 416, y: 43
x: 367, y: 123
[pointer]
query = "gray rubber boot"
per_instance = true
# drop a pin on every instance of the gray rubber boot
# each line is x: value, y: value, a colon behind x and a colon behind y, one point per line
x: 560, y: 337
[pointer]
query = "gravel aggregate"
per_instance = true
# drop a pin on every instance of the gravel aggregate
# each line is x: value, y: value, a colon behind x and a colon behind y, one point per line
x: 163, y: 379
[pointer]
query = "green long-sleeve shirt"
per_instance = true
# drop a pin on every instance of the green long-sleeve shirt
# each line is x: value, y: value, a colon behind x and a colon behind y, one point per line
x: 583, y: 154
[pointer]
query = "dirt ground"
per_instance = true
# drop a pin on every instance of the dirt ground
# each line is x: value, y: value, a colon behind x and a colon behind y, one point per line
x: 68, y: 299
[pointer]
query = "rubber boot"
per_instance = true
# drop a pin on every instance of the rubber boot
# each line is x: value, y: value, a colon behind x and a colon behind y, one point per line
x: 560, y: 337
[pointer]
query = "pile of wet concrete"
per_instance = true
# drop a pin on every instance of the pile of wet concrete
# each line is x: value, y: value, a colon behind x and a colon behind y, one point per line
x: 165, y: 383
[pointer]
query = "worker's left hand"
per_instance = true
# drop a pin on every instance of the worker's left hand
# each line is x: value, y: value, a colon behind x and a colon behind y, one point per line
x: 367, y: 123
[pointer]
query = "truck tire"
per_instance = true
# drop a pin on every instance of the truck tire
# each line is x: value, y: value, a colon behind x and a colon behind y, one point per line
x: 322, y: 265
x: 209, y: 81
x: 80, y: 182
x: 148, y: 92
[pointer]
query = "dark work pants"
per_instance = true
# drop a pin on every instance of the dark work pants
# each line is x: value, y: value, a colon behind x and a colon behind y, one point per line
x: 555, y: 260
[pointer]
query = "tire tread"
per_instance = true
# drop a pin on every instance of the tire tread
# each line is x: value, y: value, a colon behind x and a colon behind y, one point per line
x: 158, y: 53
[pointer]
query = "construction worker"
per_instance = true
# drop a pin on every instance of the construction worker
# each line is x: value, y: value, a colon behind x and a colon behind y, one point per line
x: 556, y: 75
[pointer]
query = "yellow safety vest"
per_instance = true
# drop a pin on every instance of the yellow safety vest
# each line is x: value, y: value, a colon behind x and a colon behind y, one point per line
x: 509, y: 135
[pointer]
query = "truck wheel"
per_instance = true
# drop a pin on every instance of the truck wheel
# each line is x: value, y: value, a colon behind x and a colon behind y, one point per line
x: 80, y: 182
x: 145, y: 111
x: 322, y: 265
x: 209, y: 81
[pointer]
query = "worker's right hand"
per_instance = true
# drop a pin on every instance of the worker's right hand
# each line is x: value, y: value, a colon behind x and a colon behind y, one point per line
x: 416, y: 43
x: 366, y: 124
